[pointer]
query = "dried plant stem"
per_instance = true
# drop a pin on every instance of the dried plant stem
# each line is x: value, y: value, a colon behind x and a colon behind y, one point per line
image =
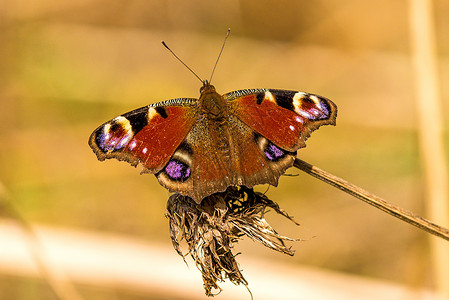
x: 373, y: 200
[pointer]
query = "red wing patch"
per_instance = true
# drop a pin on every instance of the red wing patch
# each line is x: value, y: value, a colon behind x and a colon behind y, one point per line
x: 285, y: 118
x: 156, y: 142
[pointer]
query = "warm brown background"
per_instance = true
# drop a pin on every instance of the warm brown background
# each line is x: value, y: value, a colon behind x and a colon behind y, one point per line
x: 68, y: 66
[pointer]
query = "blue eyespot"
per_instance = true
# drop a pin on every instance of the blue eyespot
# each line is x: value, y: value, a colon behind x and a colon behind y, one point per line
x: 177, y: 170
x: 274, y: 153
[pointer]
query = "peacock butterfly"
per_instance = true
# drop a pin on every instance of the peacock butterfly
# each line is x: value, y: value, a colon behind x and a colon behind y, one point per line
x: 197, y: 147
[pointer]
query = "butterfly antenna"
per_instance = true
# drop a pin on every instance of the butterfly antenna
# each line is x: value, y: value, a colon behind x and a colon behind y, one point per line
x: 219, y: 55
x: 165, y: 45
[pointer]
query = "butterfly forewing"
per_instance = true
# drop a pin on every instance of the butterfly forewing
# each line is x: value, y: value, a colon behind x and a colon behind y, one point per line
x: 148, y: 135
x: 286, y: 118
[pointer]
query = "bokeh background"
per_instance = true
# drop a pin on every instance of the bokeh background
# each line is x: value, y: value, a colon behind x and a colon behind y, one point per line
x: 68, y: 66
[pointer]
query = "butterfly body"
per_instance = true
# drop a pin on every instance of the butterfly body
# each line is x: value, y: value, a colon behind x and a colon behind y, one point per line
x: 200, y: 147
x: 212, y: 104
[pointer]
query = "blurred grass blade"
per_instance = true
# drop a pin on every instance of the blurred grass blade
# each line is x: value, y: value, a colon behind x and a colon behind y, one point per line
x: 58, y: 284
x: 430, y: 130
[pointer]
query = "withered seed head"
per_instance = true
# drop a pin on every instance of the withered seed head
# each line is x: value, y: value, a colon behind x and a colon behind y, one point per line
x: 211, y: 227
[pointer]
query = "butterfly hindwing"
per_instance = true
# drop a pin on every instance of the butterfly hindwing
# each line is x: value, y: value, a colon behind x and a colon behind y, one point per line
x: 222, y: 154
x: 285, y: 118
x: 148, y: 135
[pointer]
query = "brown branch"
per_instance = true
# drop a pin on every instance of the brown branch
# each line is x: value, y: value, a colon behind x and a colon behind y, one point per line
x: 373, y: 200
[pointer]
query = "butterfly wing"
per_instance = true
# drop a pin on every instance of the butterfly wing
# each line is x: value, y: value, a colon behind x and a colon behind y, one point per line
x: 285, y: 118
x: 266, y: 127
x: 197, y: 156
x: 216, y: 155
x: 148, y: 135
x: 255, y: 143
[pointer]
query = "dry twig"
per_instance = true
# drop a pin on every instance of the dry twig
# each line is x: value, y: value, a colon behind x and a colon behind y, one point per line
x: 373, y: 200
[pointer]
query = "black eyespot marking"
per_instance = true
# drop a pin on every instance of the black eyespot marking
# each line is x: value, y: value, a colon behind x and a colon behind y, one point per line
x: 138, y: 121
x: 256, y: 137
x: 260, y: 97
x: 161, y: 111
x: 177, y: 170
x: 115, y: 127
x: 186, y: 147
x: 284, y: 98
x: 306, y: 99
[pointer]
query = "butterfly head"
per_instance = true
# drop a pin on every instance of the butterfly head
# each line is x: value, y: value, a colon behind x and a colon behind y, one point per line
x: 207, y: 88
x: 212, y: 104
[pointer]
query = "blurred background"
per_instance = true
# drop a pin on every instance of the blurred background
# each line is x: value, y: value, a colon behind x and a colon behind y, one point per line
x: 68, y: 66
